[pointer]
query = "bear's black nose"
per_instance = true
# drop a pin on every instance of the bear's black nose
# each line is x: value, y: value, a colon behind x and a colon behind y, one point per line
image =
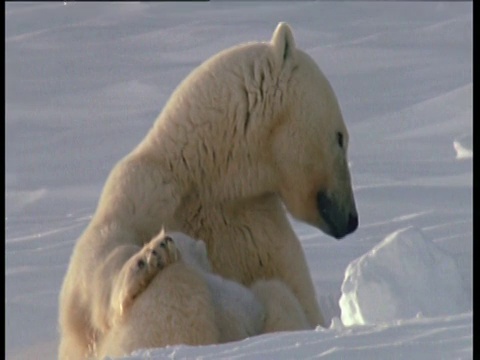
x: 352, y: 223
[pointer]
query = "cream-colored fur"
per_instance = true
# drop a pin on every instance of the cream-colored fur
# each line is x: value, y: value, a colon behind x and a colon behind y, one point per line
x: 254, y: 127
x: 282, y: 309
x: 188, y: 304
x: 173, y: 307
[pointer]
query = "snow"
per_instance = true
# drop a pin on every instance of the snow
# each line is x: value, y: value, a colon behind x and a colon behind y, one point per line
x: 404, y: 276
x: 85, y: 81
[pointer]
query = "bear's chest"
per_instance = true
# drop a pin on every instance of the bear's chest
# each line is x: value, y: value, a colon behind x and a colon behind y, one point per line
x: 241, y: 245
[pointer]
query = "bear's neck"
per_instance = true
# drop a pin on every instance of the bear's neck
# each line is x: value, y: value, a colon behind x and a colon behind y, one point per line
x: 214, y: 140
x: 209, y: 164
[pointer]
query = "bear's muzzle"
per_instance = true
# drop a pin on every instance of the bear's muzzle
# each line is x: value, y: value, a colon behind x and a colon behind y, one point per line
x: 340, y: 222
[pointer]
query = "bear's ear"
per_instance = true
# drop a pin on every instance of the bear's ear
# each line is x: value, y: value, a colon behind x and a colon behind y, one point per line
x: 283, y: 43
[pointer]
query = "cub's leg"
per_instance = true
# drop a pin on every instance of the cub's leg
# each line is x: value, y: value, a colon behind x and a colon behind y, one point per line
x: 176, y: 308
x: 140, y: 269
x: 283, y: 311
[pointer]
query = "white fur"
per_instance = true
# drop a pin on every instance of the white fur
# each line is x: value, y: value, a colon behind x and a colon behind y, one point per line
x: 249, y: 130
x: 187, y: 304
x: 238, y: 313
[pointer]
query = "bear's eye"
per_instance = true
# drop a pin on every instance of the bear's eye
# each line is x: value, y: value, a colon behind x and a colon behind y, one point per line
x: 340, y: 139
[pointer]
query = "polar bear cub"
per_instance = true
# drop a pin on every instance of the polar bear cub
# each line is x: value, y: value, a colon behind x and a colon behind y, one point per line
x: 238, y: 313
x: 188, y: 303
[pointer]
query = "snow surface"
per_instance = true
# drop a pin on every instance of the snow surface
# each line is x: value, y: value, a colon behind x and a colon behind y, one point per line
x: 85, y: 81
x: 404, y: 276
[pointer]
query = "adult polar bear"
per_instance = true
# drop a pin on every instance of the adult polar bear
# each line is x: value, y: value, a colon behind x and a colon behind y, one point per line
x: 252, y: 127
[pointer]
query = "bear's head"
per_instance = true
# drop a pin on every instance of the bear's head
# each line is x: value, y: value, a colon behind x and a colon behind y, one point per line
x: 263, y: 119
x: 310, y: 141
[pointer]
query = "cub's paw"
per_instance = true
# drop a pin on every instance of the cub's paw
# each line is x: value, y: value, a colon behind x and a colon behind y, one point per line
x: 160, y: 251
x: 142, y: 267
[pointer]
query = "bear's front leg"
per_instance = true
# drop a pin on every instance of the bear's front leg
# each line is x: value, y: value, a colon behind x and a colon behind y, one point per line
x: 140, y: 269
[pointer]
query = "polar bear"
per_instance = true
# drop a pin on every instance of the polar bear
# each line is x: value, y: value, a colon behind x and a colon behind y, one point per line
x: 253, y: 130
x: 191, y: 304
